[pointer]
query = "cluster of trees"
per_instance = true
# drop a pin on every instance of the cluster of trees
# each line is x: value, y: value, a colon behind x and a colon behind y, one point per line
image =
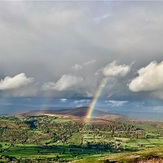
x: 27, y: 130
x: 46, y: 130
x: 72, y: 138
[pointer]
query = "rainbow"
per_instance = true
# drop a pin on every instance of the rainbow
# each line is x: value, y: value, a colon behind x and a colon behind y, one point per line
x: 96, y: 96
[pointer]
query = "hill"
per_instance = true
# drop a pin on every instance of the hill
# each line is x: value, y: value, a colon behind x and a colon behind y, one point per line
x: 78, y: 112
x: 70, y: 139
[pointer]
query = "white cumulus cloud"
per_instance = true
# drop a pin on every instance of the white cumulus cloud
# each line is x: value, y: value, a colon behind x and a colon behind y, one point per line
x: 15, y: 82
x: 113, y: 69
x: 150, y: 78
x: 64, y: 83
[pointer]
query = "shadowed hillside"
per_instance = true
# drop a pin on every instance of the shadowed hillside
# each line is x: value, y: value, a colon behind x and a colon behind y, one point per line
x: 79, y: 112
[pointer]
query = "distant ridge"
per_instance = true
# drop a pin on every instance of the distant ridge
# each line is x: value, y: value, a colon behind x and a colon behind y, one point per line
x: 78, y: 112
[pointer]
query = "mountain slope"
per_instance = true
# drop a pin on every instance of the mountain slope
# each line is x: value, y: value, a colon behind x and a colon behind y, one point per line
x: 79, y: 112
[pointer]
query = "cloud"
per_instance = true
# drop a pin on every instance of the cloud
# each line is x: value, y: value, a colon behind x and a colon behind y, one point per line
x: 29, y: 90
x: 150, y: 78
x: 48, y: 86
x: 15, y: 82
x: 105, y: 16
x: 90, y: 62
x: 80, y: 103
x: 113, y: 69
x: 63, y: 100
x: 77, y: 67
x: 116, y: 103
x: 45, y: 40
x: 64, y: 83
x: 157, y: 94
x: 89, y: 94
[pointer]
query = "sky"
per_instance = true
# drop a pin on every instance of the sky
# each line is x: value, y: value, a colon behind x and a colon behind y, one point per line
x: 66, y: 48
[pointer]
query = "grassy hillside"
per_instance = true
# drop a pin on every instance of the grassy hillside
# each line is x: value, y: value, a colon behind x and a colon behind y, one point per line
x: 153, y: 155
x: 68, y: 139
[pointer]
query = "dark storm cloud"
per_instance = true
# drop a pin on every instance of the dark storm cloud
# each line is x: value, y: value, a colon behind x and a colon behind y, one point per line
x: 48, y: 41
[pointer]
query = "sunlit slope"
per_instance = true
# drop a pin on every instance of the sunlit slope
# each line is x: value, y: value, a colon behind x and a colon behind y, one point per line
x: 151, y: 155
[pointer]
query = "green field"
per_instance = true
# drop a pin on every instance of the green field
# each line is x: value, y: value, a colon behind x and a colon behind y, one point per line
x: 55, y: 139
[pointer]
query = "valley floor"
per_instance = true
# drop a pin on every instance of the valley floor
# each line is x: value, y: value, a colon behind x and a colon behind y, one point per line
x: 72, y: 139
